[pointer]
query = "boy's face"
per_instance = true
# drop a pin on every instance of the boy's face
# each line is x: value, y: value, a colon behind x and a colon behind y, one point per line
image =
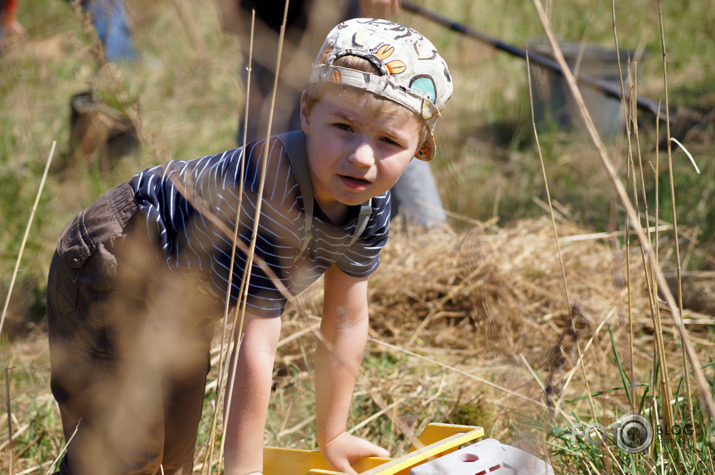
x: 354, y: 153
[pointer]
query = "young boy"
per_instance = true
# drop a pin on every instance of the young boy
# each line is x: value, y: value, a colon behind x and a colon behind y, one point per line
x: 130, y: 334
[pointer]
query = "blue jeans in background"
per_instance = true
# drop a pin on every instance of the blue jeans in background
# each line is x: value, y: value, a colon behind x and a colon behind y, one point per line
x: 109, y: 18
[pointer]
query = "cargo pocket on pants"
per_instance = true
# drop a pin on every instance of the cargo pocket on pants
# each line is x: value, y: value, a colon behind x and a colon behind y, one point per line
x: 74, y: 247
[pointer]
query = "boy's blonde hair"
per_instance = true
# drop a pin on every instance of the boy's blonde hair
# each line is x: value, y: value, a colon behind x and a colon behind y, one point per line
x: 375, y: 104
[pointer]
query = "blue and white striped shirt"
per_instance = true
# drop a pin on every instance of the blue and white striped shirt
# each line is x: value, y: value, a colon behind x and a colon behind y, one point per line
x: 192, y: 242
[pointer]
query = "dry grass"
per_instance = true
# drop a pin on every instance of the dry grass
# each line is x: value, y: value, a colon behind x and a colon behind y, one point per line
x: 463, y: 326
x: 470, y: 318
x: 468, y: 325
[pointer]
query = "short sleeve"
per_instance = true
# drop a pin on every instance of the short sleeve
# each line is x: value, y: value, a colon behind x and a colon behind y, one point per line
x: 363, y: 257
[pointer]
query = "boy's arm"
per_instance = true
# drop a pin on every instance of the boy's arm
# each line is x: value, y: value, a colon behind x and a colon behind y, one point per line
x: 249, y: 403
x: 339, y: 354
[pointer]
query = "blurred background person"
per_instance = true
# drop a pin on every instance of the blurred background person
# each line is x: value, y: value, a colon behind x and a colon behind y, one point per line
x: 9, y: 26
x: 109, y: 18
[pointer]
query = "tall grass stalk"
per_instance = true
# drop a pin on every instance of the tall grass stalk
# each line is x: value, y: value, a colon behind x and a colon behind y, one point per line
x: 63, y: 450
x: 208, y: 462
x: 238, y: 325
x: 603, y: 323
x: 190, y: 27
x: 626, y: 202
x: 9, y: 417
x: 202, y: 207
x: 632, y: 130
x: 556, y: 239
x: 627, y: 242
x: 678, y: 268
x: 631, y: 122
x: 458, y: 371
x: 27, y: 234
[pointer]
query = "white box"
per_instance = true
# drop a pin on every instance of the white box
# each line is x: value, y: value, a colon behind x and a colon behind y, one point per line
x: 487, y: 457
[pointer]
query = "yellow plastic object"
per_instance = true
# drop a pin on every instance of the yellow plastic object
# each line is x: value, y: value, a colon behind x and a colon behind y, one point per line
x: 436, y: 440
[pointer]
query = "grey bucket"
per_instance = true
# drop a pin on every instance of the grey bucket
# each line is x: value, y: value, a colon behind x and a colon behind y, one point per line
x: 554, y: 103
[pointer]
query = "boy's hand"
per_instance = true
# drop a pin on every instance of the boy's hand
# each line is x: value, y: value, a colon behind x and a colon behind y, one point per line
x: 345, y: 449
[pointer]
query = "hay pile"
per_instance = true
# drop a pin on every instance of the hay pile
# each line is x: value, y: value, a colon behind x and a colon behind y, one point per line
x: 495, y: 293
x: 495, y: 290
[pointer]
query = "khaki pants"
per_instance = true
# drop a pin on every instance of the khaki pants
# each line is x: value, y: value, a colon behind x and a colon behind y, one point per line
x: 129, y: 346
